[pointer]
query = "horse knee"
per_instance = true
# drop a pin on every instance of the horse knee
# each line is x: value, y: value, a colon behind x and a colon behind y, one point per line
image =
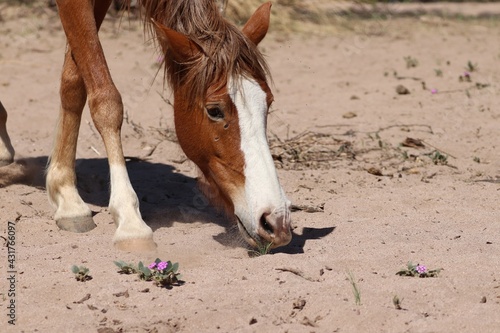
x: 72, y: 91
x: 106, y: 108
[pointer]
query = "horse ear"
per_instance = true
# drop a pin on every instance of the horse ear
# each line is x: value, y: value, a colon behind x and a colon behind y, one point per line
x: 180, y: 46
x: 258, y: 24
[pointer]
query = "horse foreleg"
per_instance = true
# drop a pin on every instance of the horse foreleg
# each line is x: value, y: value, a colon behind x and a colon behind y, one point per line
x: 6, y: 149
x: 106, y: 107
x: 72, y: 214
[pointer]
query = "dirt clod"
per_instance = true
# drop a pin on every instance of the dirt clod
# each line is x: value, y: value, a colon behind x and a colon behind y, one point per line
x: 402, y: 90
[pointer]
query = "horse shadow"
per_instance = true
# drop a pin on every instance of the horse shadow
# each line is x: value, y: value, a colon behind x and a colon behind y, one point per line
x: 296, y: 245
x: 165, y: 195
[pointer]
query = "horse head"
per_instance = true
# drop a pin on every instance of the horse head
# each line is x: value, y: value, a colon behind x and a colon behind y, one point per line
x: 221, y: 102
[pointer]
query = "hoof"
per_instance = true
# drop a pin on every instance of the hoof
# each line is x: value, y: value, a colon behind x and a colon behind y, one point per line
x: 76, y: 224
x: 136, y: 245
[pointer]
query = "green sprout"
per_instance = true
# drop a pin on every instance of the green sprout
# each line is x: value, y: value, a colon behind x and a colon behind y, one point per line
x: 471, y: 67
x: 410, y: 62
x: 124, y: 267
x: 397, y: 302
x: 81, y: 273
x: 355, y: 290
x: 262, y: 249
x: 438, y: 158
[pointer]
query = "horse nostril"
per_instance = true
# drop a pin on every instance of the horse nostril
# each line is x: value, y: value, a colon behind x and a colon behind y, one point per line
x: 266, y: 225
x: 274, y: 229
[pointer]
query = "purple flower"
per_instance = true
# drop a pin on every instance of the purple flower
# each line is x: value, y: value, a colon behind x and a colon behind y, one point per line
x: 434, y: 91
x: 466, y: 74
x: 162, y: 265
x: 421, y: 269
x: 152, y: 265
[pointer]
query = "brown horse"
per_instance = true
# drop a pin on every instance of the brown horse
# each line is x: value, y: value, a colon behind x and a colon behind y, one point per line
x: 221, y: 101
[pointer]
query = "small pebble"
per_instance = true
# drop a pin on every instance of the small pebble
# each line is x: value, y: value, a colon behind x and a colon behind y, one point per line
x: 402, y: 90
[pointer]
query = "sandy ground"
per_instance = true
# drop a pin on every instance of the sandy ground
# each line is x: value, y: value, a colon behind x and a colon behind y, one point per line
x: 337, y: 131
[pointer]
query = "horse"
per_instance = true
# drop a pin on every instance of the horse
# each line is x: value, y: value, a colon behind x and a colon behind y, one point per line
x: 220, y: 84
x: 6, y: 149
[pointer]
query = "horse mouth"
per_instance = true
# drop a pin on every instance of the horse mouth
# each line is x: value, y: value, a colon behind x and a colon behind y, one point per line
x: 244, y: 232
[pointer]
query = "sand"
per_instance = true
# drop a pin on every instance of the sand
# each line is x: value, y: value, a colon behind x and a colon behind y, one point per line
x: 389, y: 178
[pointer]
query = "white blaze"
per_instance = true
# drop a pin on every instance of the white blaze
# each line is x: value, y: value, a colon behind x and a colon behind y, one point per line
x: 263, y: 192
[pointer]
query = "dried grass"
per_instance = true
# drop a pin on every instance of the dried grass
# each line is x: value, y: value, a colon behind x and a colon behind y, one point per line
x: 308, y: 16
x: 363, y: 151
x: 318, y: 16
x: 309, y: 150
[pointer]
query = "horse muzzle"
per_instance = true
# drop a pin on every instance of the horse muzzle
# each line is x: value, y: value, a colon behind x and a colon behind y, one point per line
x: 271, y: 229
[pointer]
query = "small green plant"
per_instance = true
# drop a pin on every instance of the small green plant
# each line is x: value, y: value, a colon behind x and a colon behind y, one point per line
x: 418, y: 271
x: 471, y: 67
x: 81, y: 273
x: 438, y: 72
x: 262, y: 249
x: 476, y: 159
x: 405, y: 155
x: 480, y: 85
x: 355, y: 290
x: 125, y: 268
x: 410, y: 62
x: 438, y: 158
x: 397, y: 302
x: 162, y: 273
x: 144, y: 272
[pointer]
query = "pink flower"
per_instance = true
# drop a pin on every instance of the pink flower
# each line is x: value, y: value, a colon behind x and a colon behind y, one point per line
x: 421, y: 269
x: 152, y: 265
x: 162, y: 265
x: 466, y: 74
x: 434, y: 91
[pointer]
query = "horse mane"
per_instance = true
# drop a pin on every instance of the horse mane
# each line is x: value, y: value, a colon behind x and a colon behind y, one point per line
x: 225, y: 51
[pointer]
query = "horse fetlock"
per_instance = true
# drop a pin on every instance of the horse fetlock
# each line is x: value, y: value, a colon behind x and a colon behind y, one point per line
x: 6, y: 155
x: 126, y: 216
x: 72, y: 213
x: 60, y: 182
x: 6, y: 149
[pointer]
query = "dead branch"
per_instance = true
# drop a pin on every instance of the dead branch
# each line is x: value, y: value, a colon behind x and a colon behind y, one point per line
x: 297, y: 272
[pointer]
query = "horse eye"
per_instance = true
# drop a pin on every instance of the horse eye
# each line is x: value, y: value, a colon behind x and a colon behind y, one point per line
x: 215, y: 113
